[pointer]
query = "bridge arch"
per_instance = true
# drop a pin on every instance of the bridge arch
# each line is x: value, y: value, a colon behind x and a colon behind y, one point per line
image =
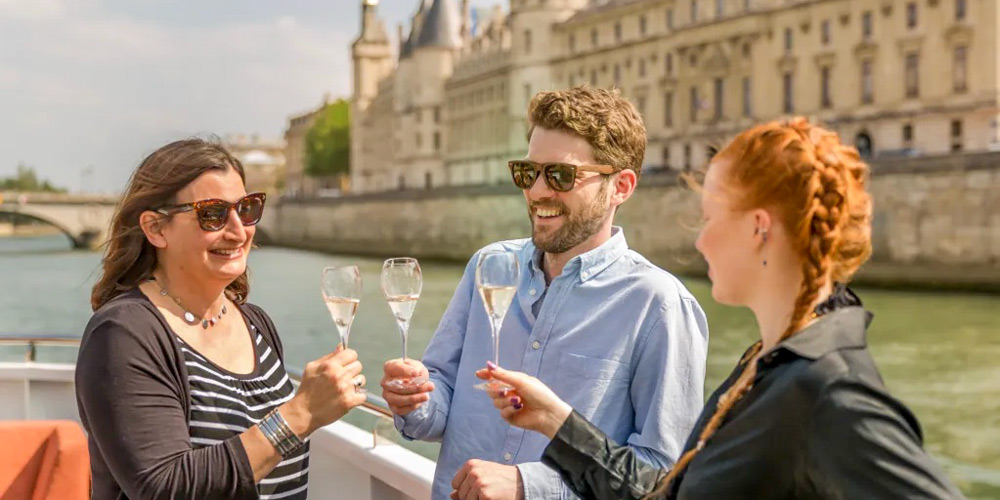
x: 62, y: 228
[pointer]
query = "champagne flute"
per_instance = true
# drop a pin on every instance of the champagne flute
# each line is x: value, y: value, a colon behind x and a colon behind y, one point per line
x: 401, y: 284
x: 342, y: 295
x: 496, y: 278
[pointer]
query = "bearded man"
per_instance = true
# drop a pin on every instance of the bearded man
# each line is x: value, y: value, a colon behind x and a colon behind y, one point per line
x: 619, y: 339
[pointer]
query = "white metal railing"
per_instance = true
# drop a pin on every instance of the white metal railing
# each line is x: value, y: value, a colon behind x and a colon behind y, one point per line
x: 345, y: 461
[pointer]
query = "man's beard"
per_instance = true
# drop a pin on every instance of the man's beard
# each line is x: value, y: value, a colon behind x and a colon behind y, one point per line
x: 580, y: 225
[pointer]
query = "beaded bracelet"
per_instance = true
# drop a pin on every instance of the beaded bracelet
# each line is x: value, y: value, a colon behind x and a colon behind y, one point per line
x: 279, y: 434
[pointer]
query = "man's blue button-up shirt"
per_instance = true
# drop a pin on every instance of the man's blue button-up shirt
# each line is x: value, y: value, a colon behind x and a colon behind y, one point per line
x: 619, y: 339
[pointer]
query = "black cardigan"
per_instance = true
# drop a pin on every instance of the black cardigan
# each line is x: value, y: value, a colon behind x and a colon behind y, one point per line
x: 133, y: 397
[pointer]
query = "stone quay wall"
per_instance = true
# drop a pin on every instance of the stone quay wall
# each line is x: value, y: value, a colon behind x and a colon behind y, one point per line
x: 936, y: 223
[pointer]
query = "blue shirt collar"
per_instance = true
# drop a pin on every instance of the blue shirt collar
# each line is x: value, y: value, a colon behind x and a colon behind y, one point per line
x: 588, y: 264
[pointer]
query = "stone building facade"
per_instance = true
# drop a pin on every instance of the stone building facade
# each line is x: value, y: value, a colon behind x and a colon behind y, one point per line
x: 894, y: 77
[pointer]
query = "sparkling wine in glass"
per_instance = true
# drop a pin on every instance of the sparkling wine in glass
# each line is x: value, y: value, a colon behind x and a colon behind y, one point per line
x: 496, y: 278
x: 342, y: 295
x: 401, y: 284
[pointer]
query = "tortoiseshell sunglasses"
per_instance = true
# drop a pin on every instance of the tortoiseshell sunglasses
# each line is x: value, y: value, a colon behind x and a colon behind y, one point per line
x: 213, y: 213
x: 560, y: 177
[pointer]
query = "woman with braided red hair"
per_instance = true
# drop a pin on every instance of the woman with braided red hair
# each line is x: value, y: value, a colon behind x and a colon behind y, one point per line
x: 787, y: 221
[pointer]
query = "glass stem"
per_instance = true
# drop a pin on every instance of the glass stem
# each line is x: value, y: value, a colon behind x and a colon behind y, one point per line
x: 402, y: 331
x: 495, y: 324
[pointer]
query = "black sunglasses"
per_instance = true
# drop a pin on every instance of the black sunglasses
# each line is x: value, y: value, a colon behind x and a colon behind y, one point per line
x: 213, y: 213
x: 559, y: 177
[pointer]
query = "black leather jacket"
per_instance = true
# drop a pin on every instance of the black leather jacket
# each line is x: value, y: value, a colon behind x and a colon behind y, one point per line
x: 818, y: 423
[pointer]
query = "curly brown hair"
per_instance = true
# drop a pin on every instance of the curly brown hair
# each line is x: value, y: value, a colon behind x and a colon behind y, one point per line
x: 606, y: 120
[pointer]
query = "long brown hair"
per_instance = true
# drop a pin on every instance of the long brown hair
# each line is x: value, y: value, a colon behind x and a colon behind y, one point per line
x: 817, y: 188
x: 129, y: 258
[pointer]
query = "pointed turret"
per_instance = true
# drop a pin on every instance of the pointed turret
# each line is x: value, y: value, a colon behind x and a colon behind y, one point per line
x: 441, y: 26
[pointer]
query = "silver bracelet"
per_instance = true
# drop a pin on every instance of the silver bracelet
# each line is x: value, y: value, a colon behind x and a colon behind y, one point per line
x: 279, y: 434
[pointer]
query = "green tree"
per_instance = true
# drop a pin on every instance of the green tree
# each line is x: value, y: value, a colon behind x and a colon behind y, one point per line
x: 26, y: 179
x: 328, y: 142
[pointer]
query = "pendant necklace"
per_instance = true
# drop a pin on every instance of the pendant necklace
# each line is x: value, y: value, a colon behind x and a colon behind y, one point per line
x: 188, y: 316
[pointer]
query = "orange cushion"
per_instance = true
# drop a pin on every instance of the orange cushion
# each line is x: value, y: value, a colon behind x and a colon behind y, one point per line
x: 43, y: 460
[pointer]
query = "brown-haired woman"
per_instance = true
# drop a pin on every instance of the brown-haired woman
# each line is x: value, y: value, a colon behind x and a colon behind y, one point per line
x: 180, y: 382
x: 787, y: 221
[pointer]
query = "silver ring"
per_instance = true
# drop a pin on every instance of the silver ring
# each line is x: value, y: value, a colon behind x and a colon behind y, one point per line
x: 358, y: 383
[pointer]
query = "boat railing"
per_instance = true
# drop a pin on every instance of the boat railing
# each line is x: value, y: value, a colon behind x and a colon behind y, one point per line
x: 374, y: 405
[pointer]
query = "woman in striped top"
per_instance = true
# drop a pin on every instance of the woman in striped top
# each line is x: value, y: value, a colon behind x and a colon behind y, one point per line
x: 180, y: 382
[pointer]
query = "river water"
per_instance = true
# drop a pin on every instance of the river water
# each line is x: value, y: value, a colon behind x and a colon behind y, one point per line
x: 939, y: 353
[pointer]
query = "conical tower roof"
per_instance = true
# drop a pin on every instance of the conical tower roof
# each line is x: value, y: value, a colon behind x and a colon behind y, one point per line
x: 441, y: 26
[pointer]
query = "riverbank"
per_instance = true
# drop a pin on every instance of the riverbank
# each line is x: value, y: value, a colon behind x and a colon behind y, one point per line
x: 9, y: 230
x: 936, y: 225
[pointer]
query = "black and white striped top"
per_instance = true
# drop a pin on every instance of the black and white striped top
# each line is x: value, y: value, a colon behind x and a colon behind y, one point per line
x: 224, y: 404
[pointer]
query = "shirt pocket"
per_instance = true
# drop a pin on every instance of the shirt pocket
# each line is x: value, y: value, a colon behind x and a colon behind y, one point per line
x: 592, y: 368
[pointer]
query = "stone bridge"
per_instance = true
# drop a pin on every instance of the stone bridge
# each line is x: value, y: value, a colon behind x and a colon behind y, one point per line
x: 84, y: 219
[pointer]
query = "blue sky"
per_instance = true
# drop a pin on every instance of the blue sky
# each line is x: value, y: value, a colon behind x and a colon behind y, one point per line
x: 101, y: 83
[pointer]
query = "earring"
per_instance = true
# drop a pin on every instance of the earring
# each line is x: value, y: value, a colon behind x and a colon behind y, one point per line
x: 764, y: 238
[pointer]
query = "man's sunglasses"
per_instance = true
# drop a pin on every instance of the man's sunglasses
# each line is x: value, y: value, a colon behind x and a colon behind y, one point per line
x: 559, y: 177
x: 213, y: 214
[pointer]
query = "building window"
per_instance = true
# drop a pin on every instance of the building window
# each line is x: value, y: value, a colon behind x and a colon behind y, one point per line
x: 437, y: 114
x: 642, y: 25
x: 747, y: 4
x: 788, y: 39
x: 747, y: 109
x: 572, y: 43
x: 824, y: 32
x: 640, y: 102
x: 911, y: 15
x: 825, y: 101
x: 642, y: 68
x: 668, y: 109
x: 527, y: 41
x: 428, y: 180
x: 694, y: 104
x: 746, y: 51
x: 687, y: 157
x: 720, y: 7
x: 719, y: 86
x: 437, y: 141
x: 618, y: 74
x: 593, y: 37
x: 788, y: 89
x: 669, y: 63
x: 527, y: 94
x: 694, y: 11
x: 866, y: 25
x: 961, y: 68
x: 867, y: 86
x: 665, y: 155
x: 618, y: 32
x: 912, y: 75
x: 420, y: 142
x: 956, y: 135
x: 670, y: 19
x: 959, y: 10
x: 907, y: 135
x: 416, y: 115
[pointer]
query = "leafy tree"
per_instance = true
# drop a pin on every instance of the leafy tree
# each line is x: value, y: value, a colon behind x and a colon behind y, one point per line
x: 26, y: 179
x: 328, y: 142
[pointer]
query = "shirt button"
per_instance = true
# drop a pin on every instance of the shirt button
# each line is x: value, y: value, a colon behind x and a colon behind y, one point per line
x: 585, y: 275
x: 536, y: 344
x: 531, y: 292
x: 507, y: 457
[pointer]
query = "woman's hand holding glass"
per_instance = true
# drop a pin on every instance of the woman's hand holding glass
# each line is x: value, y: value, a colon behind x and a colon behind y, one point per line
x: 330, y: 387
x: 529, y: 404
